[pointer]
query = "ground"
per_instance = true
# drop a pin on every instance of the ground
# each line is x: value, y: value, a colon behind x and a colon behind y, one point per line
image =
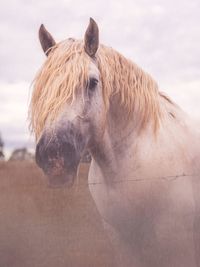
x: 44, y: 227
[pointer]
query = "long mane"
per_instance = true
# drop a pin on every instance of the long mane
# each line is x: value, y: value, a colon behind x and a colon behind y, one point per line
x: 66, y: 70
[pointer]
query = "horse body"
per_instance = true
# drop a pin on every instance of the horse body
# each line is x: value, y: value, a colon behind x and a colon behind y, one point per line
x: 145, y: 173
x: 145, y: 194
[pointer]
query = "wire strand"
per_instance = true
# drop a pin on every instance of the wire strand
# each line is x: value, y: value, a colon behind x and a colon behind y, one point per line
x: 166, y: 178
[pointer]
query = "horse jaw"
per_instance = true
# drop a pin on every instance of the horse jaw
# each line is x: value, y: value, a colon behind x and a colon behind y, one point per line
x: 58, y: 176
x: 66, y: 180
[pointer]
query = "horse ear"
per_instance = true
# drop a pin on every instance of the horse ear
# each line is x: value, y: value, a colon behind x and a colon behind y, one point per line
x: 91, y: 39
x: 46, y: 40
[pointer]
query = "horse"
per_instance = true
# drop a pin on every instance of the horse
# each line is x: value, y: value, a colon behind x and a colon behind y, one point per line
x: 144, y: 175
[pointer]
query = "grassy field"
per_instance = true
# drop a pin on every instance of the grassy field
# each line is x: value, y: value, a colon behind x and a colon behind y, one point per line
x: 44, y: 227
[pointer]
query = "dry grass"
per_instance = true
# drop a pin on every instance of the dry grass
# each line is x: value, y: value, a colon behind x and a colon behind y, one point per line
x: 44, y: 227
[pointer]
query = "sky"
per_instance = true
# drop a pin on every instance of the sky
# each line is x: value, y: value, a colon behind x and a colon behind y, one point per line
x: 162, y: 37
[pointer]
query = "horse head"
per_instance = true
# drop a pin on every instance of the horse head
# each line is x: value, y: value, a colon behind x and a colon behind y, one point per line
x: 67, y: 104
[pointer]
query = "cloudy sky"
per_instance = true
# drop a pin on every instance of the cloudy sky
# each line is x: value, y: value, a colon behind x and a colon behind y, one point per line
x: 163, y: 37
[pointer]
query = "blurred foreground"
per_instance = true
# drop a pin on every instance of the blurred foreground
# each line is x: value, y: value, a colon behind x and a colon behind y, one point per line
x: 44, y: 227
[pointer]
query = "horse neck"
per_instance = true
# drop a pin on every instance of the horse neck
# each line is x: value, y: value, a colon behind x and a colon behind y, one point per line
x: 124, y: 142
x: 120, y: 139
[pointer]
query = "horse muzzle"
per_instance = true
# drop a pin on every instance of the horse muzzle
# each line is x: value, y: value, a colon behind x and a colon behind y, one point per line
x: 59, y: 156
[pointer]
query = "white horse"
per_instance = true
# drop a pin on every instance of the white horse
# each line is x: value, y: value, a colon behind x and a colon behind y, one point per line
x: 145, y: 170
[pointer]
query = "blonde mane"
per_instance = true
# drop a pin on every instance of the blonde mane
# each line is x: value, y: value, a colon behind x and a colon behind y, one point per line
x: 67, y: 69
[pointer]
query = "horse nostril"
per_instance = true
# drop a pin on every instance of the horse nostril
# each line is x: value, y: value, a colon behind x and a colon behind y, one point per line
x: 37, y: 156
x: 38, y: 152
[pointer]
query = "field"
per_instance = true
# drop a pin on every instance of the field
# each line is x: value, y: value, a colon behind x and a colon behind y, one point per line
x: 44, y: 227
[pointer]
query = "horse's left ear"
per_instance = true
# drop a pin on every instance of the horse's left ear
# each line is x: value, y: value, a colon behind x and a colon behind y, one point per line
x: 91, y: 40
x: 46, y: 40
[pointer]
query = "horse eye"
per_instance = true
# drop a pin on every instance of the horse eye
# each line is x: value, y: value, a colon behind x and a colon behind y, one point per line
x: 92, y: 84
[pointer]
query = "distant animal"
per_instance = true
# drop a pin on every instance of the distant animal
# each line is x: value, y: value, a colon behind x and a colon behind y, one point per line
x: 145, y: 171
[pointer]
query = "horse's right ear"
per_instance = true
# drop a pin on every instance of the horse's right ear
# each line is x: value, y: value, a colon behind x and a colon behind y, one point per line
x: 46, y: 40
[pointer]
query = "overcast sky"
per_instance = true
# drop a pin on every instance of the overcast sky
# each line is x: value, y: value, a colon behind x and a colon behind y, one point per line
x: 163, y: 37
